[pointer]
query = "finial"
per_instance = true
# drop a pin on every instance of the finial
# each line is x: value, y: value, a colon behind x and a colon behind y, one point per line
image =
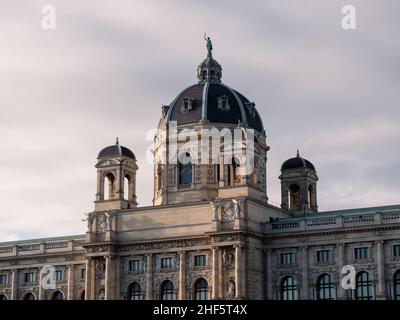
x: 208, y: 45
x: 117, y: 142
x: 298, y: 154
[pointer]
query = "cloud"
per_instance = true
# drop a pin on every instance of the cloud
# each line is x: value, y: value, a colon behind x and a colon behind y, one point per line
x: 108, y: 67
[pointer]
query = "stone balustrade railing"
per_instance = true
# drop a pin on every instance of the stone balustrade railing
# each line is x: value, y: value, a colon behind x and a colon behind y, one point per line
x: 22, y: 248
x: 339, y: 221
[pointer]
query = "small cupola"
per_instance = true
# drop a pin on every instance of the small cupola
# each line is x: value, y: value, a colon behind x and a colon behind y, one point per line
x: 209, y: 70
x: 298, y: 186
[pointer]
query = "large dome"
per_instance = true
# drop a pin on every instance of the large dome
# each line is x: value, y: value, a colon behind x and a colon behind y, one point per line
x: 205, y: 106
x: 212, y: 101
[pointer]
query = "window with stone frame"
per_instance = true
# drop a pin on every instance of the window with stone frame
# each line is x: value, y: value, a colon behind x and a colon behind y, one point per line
x: 134, y: 265
x: 200, y: 260
x: 29, y: 277
x: 362, y: 253
x: 187, y: 104
x: 287, y: 258
x: 396, y: 250
x: 59, y: 275
x: 223, y: 103
x: 323, y: 256
x: 3, y: 279
x: 251, y: 106
x: 166, y: 263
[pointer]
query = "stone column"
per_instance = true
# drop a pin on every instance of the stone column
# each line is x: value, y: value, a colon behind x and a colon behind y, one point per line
x: 182, y: 276
x: 70, y: 295
x: 268, y: 264
x: 238, y: 272
x: 88, y: 279
x: 381, y: 270
x: 117, y: 277
x: 215, y: 282
x: 341, y: 293
x: 14, y: 285
x: 221, y: 181
x: 149, y: 277
x: 108, y: 279
x: 93, y: 293
x: 99, y: 195
x: 41, y: 289
x: 304, y: 266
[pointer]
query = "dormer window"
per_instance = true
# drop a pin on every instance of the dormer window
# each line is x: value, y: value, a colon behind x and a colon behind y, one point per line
x: 223, y: 103
x: 251, y: 107
x: 187, y: 104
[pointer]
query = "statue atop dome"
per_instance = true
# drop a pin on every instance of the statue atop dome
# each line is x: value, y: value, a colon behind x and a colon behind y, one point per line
x: 208, y: 45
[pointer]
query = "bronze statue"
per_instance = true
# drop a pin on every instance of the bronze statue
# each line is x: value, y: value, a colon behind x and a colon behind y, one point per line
x: 208, y: 45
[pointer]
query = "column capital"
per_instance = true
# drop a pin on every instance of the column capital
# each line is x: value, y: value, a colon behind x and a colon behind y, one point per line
x: 239, y: 245
x: 340, y: 245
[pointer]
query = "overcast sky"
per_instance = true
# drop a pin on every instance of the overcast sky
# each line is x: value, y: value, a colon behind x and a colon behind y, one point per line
x: 109, y: 66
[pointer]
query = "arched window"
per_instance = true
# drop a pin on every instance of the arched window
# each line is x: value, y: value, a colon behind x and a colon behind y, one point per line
x: 310, y: 197
x: 159, y: 177
x: 294, y: 197
x: 185, y: 171
x: 396, y: 286
x: 109, y: 186
x: 289, y: 289
x: 28, y: 296
x: 235, y: 170
x: 363, y: 286
x: 3, y: 297
x: 57, y: 295
x: 168, y: 291
x: 135, y: 291
x: 127, y: 181
x: 201, y: 289
x: 326, y: 288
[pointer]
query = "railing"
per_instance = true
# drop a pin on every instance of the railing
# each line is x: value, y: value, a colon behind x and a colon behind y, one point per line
x: 359, y: 219
x: 391, y: 217
x: 6, y: 250
x: 286, y: 225
x: 35, y: 248
x: 338, y: 221
x: 320, y: 222
x: 56, y: 245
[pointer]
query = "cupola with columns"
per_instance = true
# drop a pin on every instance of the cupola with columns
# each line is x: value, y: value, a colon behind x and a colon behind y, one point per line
x: 299, y: 186
x: 116, y: 178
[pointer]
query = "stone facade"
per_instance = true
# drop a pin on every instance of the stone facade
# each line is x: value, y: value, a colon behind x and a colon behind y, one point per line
x: 210, y: 233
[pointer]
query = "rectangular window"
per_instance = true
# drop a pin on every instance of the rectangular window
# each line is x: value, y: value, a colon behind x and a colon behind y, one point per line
x: 287, y: 258
x: 396, y: 250
x: 166, y: 263
x: 361, y: 253
x: 200, y: 260
x: 323, y: 255
x: 59, y: 275
x: 134, y: 265
x: 28, y: 277
x: 83, y: 273
x: 3, y: 279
